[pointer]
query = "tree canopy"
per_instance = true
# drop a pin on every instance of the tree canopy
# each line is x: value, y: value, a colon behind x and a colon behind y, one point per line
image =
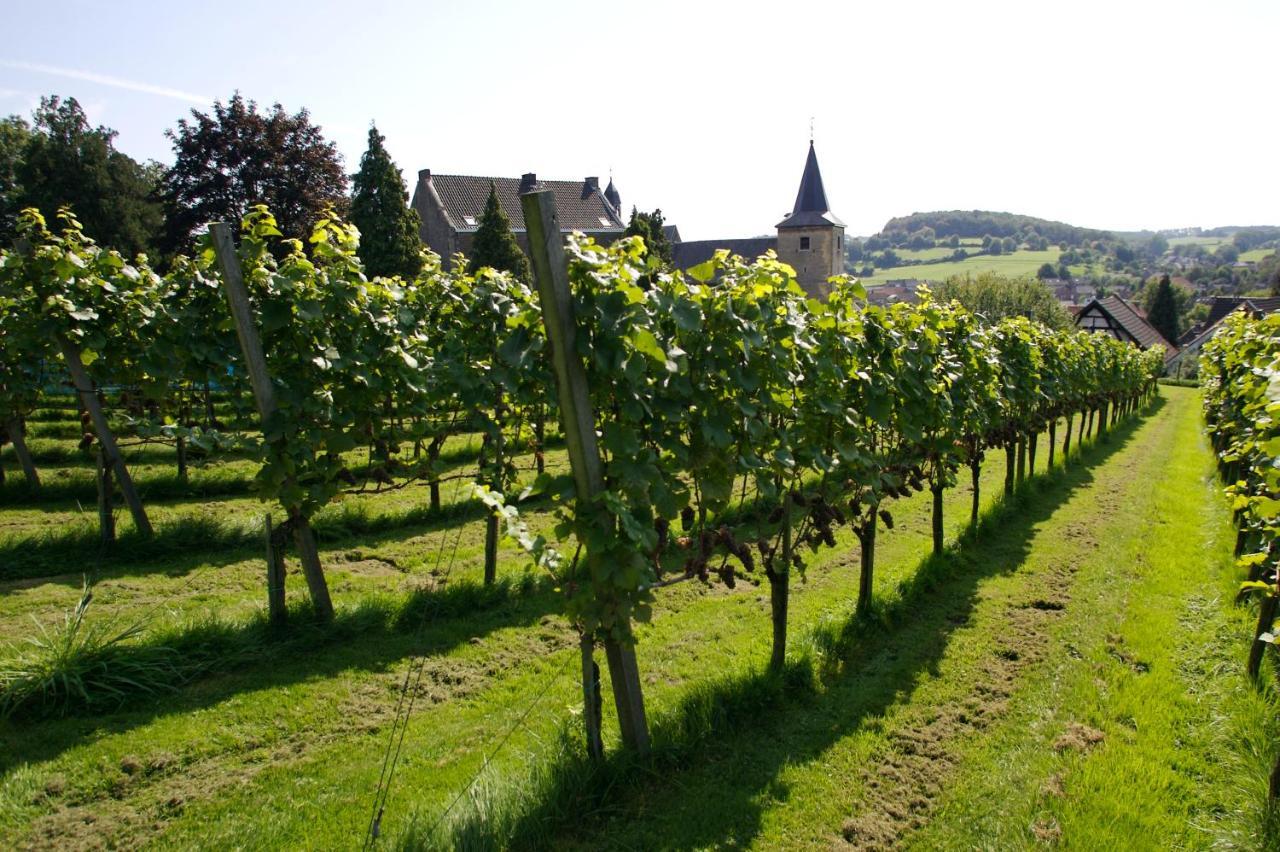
x: 494, y: 244
x: 994, y: 297
x: 235, y: 157
x: 61, y: 160
x: 649, y: 226
x: 1163, y: 311
x: 389, y: 241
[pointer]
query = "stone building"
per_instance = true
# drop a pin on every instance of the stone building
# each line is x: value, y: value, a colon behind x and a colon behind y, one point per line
x: 451, y: 207
x: 810, y: 239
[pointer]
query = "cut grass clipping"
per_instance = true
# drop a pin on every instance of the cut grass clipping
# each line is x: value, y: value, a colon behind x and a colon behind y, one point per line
x: 85, y: 663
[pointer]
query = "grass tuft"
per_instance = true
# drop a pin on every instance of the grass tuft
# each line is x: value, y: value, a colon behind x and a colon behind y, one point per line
x: 94, y: 664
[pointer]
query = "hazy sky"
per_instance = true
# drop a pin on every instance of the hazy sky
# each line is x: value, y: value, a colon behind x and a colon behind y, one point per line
x: 1116, y: 114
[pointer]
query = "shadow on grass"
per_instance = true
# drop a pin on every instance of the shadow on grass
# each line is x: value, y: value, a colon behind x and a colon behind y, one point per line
x: 179, y: 546
x: 717, y: 755
x: 205, y: 481
x: 217, y: 659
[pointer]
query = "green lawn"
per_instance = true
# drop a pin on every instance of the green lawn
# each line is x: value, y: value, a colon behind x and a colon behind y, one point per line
x: 1021, y: 262
x: 1256, y: 255
x: 1210, y: 243
x: 1071, y: 673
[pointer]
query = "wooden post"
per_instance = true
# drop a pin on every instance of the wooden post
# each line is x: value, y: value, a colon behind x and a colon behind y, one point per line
x: 592, y: 699
x: 275, y: 575
x: 780, y: 591
x: 867, y: 564
x: 264, y: 397
x: 106, y: 513
x: 111, y: 452
x: 975, y: 470
x: 16, y: 430
x: 939, y: 536
x: 1053, y: 440
x: 578, y: 423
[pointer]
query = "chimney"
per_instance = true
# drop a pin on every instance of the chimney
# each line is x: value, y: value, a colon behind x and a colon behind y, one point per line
x: 424, y: 174
x: 528, y: 182
x: 590, y: 186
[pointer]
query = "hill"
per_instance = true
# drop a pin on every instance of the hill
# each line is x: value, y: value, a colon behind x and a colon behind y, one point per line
x: 980, y: 223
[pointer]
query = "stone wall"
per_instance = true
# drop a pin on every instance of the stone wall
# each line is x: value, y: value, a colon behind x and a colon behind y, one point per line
x: 823, y: 258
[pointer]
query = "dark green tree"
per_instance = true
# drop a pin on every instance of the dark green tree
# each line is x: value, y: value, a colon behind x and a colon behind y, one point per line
x: 236, y: 157
x: 494, y: 244
x: 1046, y: 271
x: 389, y: 241
x: 1163, y: 314
x: 648, y: 226
x: 15, y: 133
x: 65, y: 161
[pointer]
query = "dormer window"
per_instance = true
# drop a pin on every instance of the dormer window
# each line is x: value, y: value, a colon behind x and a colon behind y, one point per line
x: 804, y: 244
x: 470, y: 220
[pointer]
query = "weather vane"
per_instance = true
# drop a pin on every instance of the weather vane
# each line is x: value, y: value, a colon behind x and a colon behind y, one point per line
x: 810, y: 129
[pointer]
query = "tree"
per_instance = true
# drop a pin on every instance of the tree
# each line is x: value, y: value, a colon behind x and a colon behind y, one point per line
x: 494, y: 244
x: 1046, y: 271
x: 66, y: 162
x: 648, y: 226
x: 15, y: 133
x: 1157, y: 245
x: 1163, y: 314
x: 389, y: 241
x: 1227, y: 253
x: 995, y: 297
x: 236, y: 157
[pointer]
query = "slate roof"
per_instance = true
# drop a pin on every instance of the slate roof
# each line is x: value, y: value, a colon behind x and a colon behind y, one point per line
x: 1129, y: 320
x: 689, y: 254
x: 811, y: 201
x: 580, y: 204
x: 1223, y: 305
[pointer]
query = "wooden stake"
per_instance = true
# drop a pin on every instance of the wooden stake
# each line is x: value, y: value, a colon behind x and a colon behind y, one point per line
x: 275, y: 575
x: 89, y: 399
x: 578, y: 422
x: 16, y: 430
x: 264, y: 397
x: 106, y: 513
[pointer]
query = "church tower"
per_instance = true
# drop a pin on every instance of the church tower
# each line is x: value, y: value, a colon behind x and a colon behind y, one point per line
x: 811, y: 238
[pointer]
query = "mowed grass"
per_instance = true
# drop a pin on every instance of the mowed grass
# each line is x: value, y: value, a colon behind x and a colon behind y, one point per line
x: 1020, y: 263
x: 1100, y: 599
x: 1255, y: 255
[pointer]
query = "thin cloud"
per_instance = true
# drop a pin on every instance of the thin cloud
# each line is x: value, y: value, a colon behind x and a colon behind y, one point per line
x: 106, y: 80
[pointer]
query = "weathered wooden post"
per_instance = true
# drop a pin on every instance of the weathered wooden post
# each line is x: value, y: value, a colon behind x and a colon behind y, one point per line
x: 107, y: 441
x: 264, y: 397
x: 578, y: 423
x: 275, y: 575
x: 16, y: 432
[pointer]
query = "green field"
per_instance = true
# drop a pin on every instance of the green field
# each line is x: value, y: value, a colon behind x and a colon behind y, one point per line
x: 1021, y: 262
x: 1210, y: 243
x: 1255, y: 255
x: 1071, y: 674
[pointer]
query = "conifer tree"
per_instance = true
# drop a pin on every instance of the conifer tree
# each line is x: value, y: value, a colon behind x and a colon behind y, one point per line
x: 389, y: 241
x: 494, y: 244
x: 1164, y: 311
x: 649, y: 227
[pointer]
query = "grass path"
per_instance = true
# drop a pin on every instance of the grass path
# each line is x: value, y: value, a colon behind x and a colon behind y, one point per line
x: 1077, y: 680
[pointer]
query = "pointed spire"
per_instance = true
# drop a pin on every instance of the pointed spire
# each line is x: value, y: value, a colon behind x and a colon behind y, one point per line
x: 611, y: 194
x: 811, y: 206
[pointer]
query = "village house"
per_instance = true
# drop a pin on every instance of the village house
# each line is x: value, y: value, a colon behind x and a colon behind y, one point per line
x: 1123, y: 321
x: 451, y: 206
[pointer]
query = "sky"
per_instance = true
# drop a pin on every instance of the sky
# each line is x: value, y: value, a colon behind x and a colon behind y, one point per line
x: 1122, y: 114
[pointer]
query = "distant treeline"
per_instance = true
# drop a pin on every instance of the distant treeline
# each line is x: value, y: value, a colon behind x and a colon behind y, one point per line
x: 981, y: 223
